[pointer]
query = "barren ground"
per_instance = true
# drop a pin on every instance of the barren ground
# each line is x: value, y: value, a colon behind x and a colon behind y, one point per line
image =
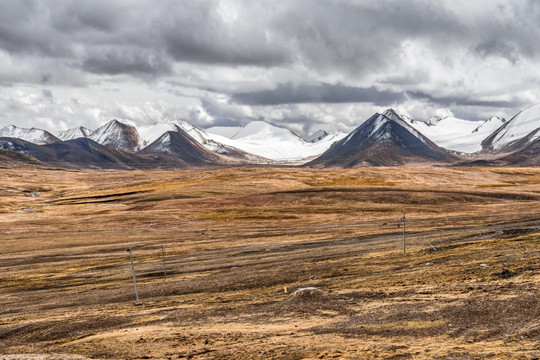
x: 238, y: 243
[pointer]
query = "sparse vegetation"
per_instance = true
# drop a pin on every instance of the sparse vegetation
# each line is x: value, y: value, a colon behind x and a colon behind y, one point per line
x: 240, y: 242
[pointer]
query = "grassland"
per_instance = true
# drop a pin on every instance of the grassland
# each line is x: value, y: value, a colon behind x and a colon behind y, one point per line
x: 238, y: 244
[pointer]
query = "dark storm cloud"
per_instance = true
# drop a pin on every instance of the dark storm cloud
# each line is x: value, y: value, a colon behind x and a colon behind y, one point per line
x: 183, y: 31
x: 447, y: 101
x: 88, y: 16
x: 25, y: 29
x: 121, y: 61
x: 336, y: 94
x: 346, y: 37
x: 202, y: 35
x: 188, y: 47
x: 359, y: 37
x: 321, y: 93
x: 495, y: 47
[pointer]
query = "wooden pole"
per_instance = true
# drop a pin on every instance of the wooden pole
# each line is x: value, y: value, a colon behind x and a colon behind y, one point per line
x: 137, y: 301
x: 404, y: 241
x: 164, y: 268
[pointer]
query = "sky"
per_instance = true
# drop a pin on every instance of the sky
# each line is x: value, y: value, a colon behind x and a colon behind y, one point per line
x: 301, y: 64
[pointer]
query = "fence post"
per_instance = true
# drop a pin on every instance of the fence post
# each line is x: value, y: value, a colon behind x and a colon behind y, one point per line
x: 404, y: 241
x: 137, y: 301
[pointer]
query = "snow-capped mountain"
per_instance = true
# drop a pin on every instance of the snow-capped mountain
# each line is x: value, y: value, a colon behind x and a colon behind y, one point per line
x: 150, y: 133
x: 74, y: 133
x: 279, y: 144
x: 384, y: 139
x: 118, y: 136
x: 464, y: 136
x: 258, y: 138
x: 523, y: 128
x: 183, y: 146
x: 33, y: 135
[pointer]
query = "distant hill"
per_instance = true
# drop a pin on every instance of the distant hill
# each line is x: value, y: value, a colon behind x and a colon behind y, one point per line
x: 81, y: 153
x: 383, y: 140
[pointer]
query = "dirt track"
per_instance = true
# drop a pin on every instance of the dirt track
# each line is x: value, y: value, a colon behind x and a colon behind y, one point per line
x: 238, y: 244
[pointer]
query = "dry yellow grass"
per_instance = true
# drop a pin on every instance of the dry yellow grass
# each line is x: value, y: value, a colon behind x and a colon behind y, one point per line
x: 239, y: 242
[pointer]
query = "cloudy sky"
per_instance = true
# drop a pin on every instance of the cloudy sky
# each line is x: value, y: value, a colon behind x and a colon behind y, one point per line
x: 303, y: 64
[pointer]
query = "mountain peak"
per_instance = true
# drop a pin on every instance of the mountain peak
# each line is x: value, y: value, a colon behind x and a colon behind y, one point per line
x: 391, y: 114
x: 118, y: 136
x: 114, y: 123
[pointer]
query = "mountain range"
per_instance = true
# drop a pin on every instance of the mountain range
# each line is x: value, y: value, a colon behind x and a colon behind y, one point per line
x: 386, y: 139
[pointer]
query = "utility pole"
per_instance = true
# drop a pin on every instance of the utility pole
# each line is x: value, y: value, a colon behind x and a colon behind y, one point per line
x: 404, y: 242
x: 164, y: 268
x: 137, y: 301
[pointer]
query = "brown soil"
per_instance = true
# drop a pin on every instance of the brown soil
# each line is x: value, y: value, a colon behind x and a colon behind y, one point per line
x: 270, y: 263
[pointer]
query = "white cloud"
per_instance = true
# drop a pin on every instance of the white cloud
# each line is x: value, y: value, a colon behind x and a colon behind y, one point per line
x: 149, y: 61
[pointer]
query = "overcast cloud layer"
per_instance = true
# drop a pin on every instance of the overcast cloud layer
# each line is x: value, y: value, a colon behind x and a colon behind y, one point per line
x: 302, y: 64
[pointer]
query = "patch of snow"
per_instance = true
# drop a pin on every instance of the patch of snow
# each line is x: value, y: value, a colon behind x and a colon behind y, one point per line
x: 225, y: 131
x: 74, y: 133
x: 460, y: 135
x: 9, y: 145
x: 527, y: 122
